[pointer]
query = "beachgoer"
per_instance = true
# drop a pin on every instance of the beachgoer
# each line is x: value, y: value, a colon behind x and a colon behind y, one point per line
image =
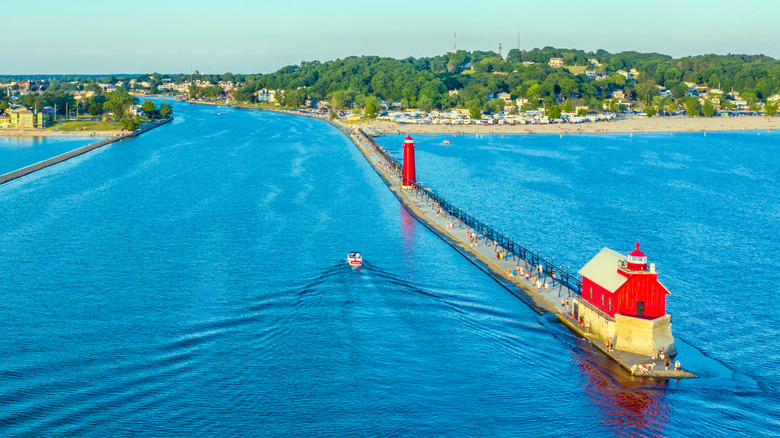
x: 677, y: 366
x: 668, y: 362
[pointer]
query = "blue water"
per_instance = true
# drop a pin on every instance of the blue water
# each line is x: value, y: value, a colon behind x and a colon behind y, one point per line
x: 18, y: 152
x: 191, y: 282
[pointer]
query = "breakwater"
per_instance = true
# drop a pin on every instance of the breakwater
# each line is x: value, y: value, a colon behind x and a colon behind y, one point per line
x: 559, y: 276
x: 10, y: 176
x: 525, y: 273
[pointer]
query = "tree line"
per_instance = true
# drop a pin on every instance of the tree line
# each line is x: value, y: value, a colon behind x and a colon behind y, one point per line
x: 426, y: 83
x: 466, y: 79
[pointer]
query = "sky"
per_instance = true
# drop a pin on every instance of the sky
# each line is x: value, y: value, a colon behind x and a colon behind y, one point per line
x: 258, y: 36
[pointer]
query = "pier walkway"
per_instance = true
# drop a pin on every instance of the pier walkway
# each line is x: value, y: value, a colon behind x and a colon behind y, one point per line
x: 546, y: 288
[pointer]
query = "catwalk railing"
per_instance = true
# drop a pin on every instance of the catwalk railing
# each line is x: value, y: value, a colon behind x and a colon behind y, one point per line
x: 560, y: 276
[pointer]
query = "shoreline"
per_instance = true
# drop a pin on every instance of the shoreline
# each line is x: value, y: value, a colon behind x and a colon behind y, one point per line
x: 16, y: 174
x: 53, y: 133
x: 621, y: 126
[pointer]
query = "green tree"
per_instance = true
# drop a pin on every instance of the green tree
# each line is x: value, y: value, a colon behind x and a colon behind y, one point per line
x: 692, y: 106
x: 149, y: 109
x: 475, y: 112
x: 165, y: 110
x: 425, y: 103
x: 119, y: 103
x: 554, y: 112
x: 192, y: 90
x: 373, y: 104
x: 771, y: 108
x: 708, y: 109
x: 567, y: 107
x: 583, y: 112
x: 95, y: 109
x: 650, y: 110
x: 129, y: 124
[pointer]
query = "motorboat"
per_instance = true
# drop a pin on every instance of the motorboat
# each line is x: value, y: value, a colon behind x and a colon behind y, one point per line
x: 445, y: 142
x: 355, y: 259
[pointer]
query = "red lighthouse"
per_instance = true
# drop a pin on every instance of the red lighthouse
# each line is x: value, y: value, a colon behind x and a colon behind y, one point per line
x: 409, y: 175
x: 616, y: 284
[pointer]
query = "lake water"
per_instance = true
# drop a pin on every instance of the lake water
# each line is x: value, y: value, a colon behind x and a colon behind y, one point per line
x: 191, y: 282
x: 18, y: 152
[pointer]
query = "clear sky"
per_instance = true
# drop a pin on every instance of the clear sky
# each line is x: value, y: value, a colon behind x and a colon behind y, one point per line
x: 259, y: 36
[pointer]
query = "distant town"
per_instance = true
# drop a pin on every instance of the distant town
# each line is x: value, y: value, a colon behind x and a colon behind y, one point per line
x: 541, y: 86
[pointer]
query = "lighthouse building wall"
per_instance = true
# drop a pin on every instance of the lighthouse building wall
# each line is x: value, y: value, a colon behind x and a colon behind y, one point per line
x: 628, y: 333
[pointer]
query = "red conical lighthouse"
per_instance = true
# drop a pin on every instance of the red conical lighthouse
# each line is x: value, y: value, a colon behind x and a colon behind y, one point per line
x: 409, y: 175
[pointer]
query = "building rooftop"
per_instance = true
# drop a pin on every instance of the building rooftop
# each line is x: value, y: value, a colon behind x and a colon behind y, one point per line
x: 603, y: 270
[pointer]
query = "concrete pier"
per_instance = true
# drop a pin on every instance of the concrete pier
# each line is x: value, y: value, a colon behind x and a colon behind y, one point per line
x: 10, y: 176
x: 485, y: 254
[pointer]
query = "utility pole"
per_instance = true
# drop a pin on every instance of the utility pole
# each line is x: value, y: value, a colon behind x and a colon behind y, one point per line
x: 455, y: 42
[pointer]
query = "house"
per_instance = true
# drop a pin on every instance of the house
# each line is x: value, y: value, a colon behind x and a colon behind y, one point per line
x: 556, y: 62
x: 24, y: 118
x: 266, y: 95
x: 594, y: 62
x: 618, y: 94
x: 773, y: 98
x: 452, y: 92
x: 623, y: 300
x: 506, y: 97
x: 622, y: 73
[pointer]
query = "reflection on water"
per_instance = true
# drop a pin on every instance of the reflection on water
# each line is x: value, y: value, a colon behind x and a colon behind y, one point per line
x: 633, y: 406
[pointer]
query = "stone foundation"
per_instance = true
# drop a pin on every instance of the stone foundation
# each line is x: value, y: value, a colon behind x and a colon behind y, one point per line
x: 635, y: 335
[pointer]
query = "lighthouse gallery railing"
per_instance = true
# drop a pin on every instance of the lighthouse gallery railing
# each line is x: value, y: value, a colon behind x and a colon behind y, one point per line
x: 561, y: 276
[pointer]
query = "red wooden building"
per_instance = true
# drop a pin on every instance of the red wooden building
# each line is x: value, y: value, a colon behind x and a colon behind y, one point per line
x: 614, y: 283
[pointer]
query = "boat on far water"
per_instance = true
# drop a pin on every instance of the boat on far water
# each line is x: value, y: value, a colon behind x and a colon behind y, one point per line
x: 355, y: 259
x: 445, y: 142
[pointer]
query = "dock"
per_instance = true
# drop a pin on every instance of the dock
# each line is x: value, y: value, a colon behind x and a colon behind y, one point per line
x: 501, y: 258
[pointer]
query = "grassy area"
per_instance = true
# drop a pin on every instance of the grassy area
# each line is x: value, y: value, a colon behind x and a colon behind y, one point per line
x: 576, y: 69
x: 88, y: 125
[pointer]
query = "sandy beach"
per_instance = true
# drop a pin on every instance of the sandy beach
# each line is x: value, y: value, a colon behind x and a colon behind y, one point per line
x: 627, y: 125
